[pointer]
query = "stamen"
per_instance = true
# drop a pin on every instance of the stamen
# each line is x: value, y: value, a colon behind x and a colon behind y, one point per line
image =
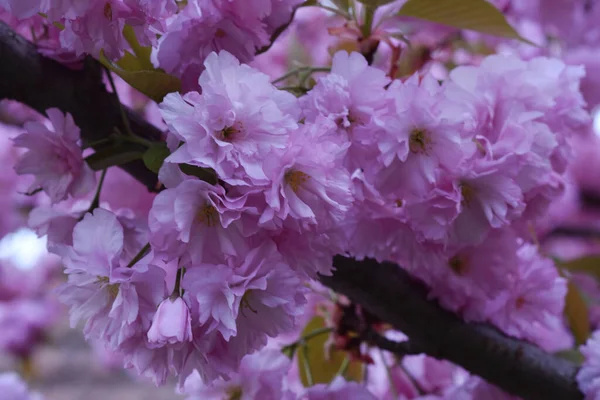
x: 419, y: 141
x: 295, y: 179
x: 208, y: 215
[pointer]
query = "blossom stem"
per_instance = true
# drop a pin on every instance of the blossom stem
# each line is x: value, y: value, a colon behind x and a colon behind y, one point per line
x: 369, y: 14
x: 295, y: 71
x: 126, y: 123
x: 139, y: 255
x: 177, y: 288
x: 307, y: 369
x: 344, y: 367
x: 389, y: 374
x: 336, y: 11
x: 304, y: 339
x: 96, y: 201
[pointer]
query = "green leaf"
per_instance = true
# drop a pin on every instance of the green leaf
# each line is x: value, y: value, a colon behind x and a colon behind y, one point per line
x: 588, y: 264
x: 111, y: 156
x: 343, y: 5
x: 154, y: 83
x: 374, y: 3
x: 205, y: 174
x: 137, y: 70
x: 142, y: 54
x: 577, y: 313
x: 324, y: 363
x: 475, y: 15
x: 155, y: 156
x: 572, y: 355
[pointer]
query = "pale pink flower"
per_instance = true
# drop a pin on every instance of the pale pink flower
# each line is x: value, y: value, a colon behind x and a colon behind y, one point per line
x: 55, y: 157
x: 171, y: 323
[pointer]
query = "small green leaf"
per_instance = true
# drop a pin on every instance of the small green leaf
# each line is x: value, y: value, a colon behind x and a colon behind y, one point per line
x: 374, y: 3
x: 589, y: 264
x: 137, y: 70
x: 343, y: 5
x: 142, y: 54
x: 324, y: 362
x: 205, y: 174
x: 111, y: 156
x: 577, y: 313
x: 475, y: 15
x: 155, y: 156
x: 155, y: 83
x: 573, y: 355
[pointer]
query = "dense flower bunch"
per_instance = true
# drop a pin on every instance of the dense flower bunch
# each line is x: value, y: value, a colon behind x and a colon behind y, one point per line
x: 451, y: 173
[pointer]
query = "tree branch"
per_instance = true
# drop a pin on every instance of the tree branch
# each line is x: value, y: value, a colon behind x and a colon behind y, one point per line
x: 385, y: 290
x: 42, y: 83
x: 392, y: 295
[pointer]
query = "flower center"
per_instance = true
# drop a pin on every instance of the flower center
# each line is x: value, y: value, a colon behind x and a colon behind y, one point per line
x: 112, y: 289
x: 229, y: 133
x: 245, y: 303
x: 208, y: 215
x: 468, y: 194
x: 108, y: 11
x: 220, y: 33
x: 295, y: 179
x: 234, y: 393
x: 419, y: 141
x: 458, y: 264
x: 520, y: 302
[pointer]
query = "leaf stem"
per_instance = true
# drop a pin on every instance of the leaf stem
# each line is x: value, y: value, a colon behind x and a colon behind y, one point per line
x: 139, y: 255
x: 121, y: 109
x: 295, y: 71
x: 307, y: 370
x: 96, y: 201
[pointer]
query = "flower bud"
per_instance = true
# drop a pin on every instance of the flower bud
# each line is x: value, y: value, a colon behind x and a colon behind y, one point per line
x: 171, y: 323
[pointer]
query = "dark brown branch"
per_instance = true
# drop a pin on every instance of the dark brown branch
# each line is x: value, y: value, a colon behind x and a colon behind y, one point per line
x: 383, y: 289
x: 42, y: 83
x: 392, y: 295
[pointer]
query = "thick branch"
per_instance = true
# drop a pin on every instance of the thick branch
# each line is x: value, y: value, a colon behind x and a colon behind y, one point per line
x: 384, y: 289
x: 391, y: 294
x: 42, y: 83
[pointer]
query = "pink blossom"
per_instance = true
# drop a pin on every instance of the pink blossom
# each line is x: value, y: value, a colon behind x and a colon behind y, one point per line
x: 236, y: 121
x: 261, y: 376
x: 490, y: 198
x: 21, y: 8
x: 475, y: 388
x: 115, y: 301
x: 421, y: 137
x: 171, y: 323
x: 197, y: 31
x: 246, y: 300
x: 54, y: 157
x: 308, y: 183
x: 532, y: 304
x: 13, y: 387
x: 587, y: 377
x: 198, y: 220
x: 339, y: 389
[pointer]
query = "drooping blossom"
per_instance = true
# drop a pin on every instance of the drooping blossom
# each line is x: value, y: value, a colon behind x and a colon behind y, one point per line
x: 54, y: 157
x: 114, y: 300
x: 171, y: 323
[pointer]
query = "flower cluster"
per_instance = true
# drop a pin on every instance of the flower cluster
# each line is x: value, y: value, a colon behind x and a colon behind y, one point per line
x: 446, y: 175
